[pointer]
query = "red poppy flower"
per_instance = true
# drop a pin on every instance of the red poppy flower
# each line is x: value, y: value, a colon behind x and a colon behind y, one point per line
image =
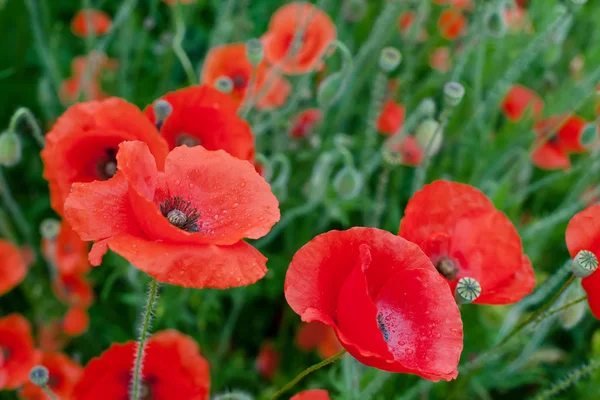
x: 76, y: 321
x: 456, y: 3
x: 82, y: 145
x: 451, y: 23
x: 64, y: 373
x: 315, y: 394
x: 231, y: 61
x: 556, y: 141
x: 12, y: 266
x: 465, y: 236
x: 67, y: 251
x: 516, y: 18
x: 391, y: 118
x: 387, y: 304
x: 182, y: 226
x: 518, y: 100
x: 315, y: 335
x: 17, y: 354
x: 96, y: 62
x: 204, y: 116
x: 406, y: 20
x: 70, y: 90
x: 173, y: 369
x: 50, y: 336
x: 305, y: 122
x: 440, y: 59
x: 583, y: 233
x: 89, y: 20
x: 73, y: 289
x: 318, y: 33
x: 407, y: 151
x: 267, y: 361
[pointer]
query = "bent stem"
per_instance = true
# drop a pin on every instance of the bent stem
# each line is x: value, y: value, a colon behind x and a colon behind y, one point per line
x: 307, y: 371
x: 14, y: 209
x: 144, y: 333
x: 178, y: 40
x: 27, y: 115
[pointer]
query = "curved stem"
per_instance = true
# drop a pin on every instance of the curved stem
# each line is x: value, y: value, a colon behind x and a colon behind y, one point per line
x: 144, y: 333
x: 307, y: 371
x: 14, y: 209
x: 177, y: 47
x: 564, y: 307
x: 25, y: 113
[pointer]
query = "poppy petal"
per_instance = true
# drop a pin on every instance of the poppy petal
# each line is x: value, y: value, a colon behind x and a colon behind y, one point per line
x: 549, y: 156
x: 315, y: 394
x: 12, y: 267
x: 570, y: 135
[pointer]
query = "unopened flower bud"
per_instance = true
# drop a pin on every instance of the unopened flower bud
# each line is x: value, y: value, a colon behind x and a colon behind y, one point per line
x: 224, y: 84
x: 39, y: 375
x: 254, y: 51
x: 495, y: 22
x: 584, y: 264
x: 330, y: 89
x: 389, y: 59
x: 354, y: 10
x: 453, y: 93
x: 348, y: 183
x: 162, y: 109
x: 427, y: 108
x: 589, y: 135
x: 429, y: 135
x: 467, y: 290
x: 10, y: 149
x: 49, y: 228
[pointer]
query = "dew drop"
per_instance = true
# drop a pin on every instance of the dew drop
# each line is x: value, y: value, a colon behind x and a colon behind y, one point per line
x: 235, y: 205
x: 410, y: 351
x: 216, y: 216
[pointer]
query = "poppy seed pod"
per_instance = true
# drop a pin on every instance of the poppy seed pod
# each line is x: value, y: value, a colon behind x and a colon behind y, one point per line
x: 467, y: 290
x: 254, y: 51
x: 589, y: 135
x: 10, y: 149
x: 162, y: 109
x: 453, y: 94
x: 389, y: 59
x: 330, y: 89
x: 39, y: 375
x: 224, y: 84
x: 585, y: 263
x: 429, y: 135
x: 427, y: 108
x: 49, y: 228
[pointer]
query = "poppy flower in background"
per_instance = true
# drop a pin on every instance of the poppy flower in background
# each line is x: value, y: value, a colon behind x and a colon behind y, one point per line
x: 267, y: 361
x: 451, y: 23
x: 17, y: 354
x: 518, y: 100
x: 67, y: 251
x: 82, y: 145
x: 440, y: 59
x: 406, y: 20
x: 558, y: 136
x: 186, y: 376
x: 96, y: 61
x: 388, y: 305
x: 319, y: 32
x: 201, y: 115
x: 391, y: 118
x: 13, y: 268
x: 465, y: 236
x: 304, y: 123
x: 231, y: 61
x: 405, y: 151
x: 50, y: 336
x: 583, y: 233
x: 316, y: 335
x: 71, y: 88
x: 315, y: 394
x: 90, y: 21
x: 76, y: 321
x: 183, y: 226
x: 63, y: 372
x: 73, y: 289
x: 517, y: 19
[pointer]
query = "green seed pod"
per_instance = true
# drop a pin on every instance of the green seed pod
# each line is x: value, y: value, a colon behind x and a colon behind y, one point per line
x: 389, y: 59
x: 348, y: 183
x: 430, y: 136
x: 589, y: 135
x: 50, y: 228
x: 39, y: 375
x: 427, y: 108
x: 162, y: 109
x: 495, y: 22
x: 10, y: 149
x: 331, y: 89
x: 453, y: 94
x: 254, y: 51
x: 467, y: 290
x: 584, y: 264
x: 224, y: 84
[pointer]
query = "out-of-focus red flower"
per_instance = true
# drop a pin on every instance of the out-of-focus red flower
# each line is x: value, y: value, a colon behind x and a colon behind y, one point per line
x: 465, y: 236
x: 73, y: 290
x: 12, y: 266
x: 267, y: 361
x: 173, y: 369
x: 70, y: 89
x: 305, y: 122
x: 558, y: 136
x: 386, y: 302
x: 583, y: 233
x: 96, y: 62
x: 82, y: 145
x: 231, y: 61
x: 391, y: 118
x: 518, y: 100
x: 89, y: 21
x: 318, y: 33
x: 184, y: 226
x: 67, y: 251
x: 76, y: 321
x: 204, y: 116
x: 315, y: 394
x: 406, y: 20
x: 406, y: 151
x: 50, y: 336
x: 17, y: 354
x: 316, y: 335
x: 517, y: 19
x: 440, y: 59
x: 451, y: 23
x: 64, y: 373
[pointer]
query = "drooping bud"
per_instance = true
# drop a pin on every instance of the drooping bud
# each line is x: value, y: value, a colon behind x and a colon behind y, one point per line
x: 39, y: 375
x: 589, y: 135
x: 331, y: 89
x: 162, y: 110
x: 10, y: 149
x: 453, y: 94
x: 254, y: 51
x: 429, y: 135
x: 224, y: 84
x: 427, y: 108
x: 348, y: 183
x: 467, y: 290
x: 354, y: 10
x: 584, y: 264
x: 495, y: 22
x: 49, y: 228
x: 389, y: 59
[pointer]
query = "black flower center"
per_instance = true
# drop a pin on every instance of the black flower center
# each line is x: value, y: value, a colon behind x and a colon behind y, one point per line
x: 107, y: 164
x: 187, y: 140
x: 6, y: 353
x: 383, y: 327
x: 447, y: 268
x: 181, y: 214
x: 239, y: 81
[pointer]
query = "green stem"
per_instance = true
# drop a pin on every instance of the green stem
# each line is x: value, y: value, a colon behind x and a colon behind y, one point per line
x: 178, y: 40
x: 27, y: 115
x: 14, y: 209
x: 421, y: 172
x: 382, y: 186
x: 307, y: 371
x: 571, y: 379
x: 144, y: 333
x: 564, y: 307
x: 377, y: 97
x: 49, y: 393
